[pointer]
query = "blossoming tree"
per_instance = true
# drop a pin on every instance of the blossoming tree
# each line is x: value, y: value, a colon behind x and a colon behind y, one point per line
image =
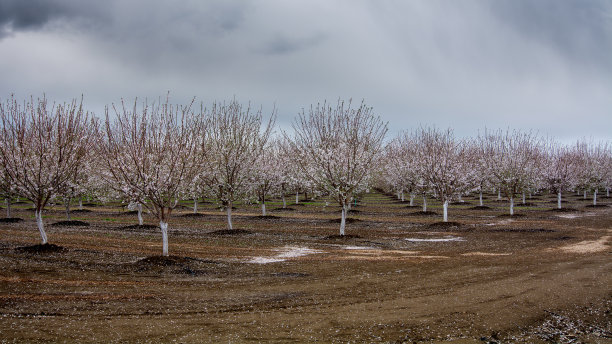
x: 235, y: 141
x: 42, y: 148
x: 512, y: 159
x: 151, y: 154
x: 336, y: 147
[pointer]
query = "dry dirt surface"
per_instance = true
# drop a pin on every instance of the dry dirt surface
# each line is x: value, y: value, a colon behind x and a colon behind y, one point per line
x: 398, y: 277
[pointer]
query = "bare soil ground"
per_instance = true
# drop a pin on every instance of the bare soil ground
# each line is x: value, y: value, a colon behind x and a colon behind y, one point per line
x: 397, y: 278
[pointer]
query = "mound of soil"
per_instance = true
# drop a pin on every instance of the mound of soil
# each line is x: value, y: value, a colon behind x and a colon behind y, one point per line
x: 231, y: 232
x: 342, y: 237
x: 596, y: 206
x: 508, y: 215
x: 348, y: 220
x: 41, y: 248
x: 77, y: 211
x: 21, y: 202
x: 145, y: 226
x: 555, y: 201
x: 444, y: 225
x: 563, y: 210
x: 283, y: 209
x: 354, y: 211
x: 413, y: 206
x: 11, y: 220
x: 131, y: 212
x: 298, y: 204
x: 192, y: 215
x: 223, y: 208
x: 563, y: 238
x: 526, y: 204
x: 266, y: 217
x: 423, y: 213
x: 90, y: 205
x: 171, y: 264
x: 480, y: 207
x: 163, y: 261
x: 71, y: 223
x: 461, y: 203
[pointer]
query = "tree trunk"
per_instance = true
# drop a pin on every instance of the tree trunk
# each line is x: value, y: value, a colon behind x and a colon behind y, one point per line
x: 80, y: 203
x: 424, y: 203
x: 460, y: 200
x: 343, y: 219
x: 164, y: 229
x: 480, y: 198
x: 499, y: 194
x: 584, y: 194
x: 297, y: 197
x: 523, y: 197
x: 411, y: 200
x: 403, y: 196
x: 445, y: 212
x: 195, y: 205
x: 8, y: 207
x: 607, y: 192
x: 140, y: 214
x: 41, y: 226
x: 229, y: 216
x: 284, y: 201
x: 67, y: 205
x: 263, y: 208
x: 559, y: 200
x: 595, y: 197
x: 511, y: 205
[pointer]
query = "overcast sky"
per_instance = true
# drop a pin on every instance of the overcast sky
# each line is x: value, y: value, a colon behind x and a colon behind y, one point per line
x: 542, y: 65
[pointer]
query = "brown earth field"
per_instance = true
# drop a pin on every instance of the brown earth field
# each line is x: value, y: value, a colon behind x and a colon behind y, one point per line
x: 397, y: 277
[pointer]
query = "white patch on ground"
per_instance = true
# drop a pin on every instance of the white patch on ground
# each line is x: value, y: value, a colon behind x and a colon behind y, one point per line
x: 569, y: 216
x: 587, y: 246
x: 502, y: 222
x: 447, y: 238
x: 284, y: 254
x: 358, y: 248
x: 485, y: 254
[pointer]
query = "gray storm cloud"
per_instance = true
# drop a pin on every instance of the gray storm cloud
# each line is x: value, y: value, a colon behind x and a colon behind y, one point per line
x: 543, y: 65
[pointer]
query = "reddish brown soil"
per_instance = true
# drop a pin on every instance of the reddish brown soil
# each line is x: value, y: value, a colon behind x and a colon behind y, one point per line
x: 542, y: 277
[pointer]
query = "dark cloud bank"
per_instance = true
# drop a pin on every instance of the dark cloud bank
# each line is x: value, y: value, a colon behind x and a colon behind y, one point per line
x: 544, y: 65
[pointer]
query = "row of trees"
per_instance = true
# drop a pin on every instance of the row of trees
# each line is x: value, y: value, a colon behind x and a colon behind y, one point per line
x: 435, y: 163
x: 155, y: 155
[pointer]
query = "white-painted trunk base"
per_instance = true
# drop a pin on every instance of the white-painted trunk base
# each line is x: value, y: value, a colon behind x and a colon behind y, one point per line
x: 41, y: 226
x: 511, y: 205
x: 229, y: 217
x: 559, y: 200
x: 263, y: 209
x: 195, y: 205
x: 480, y: 199
x: 424, y: 203
x: 411, y: 200
x: 343, y: 220
x: 140, y: 221
x: 164, y: 229
x: 445, y: 211
x: 595, y: 197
